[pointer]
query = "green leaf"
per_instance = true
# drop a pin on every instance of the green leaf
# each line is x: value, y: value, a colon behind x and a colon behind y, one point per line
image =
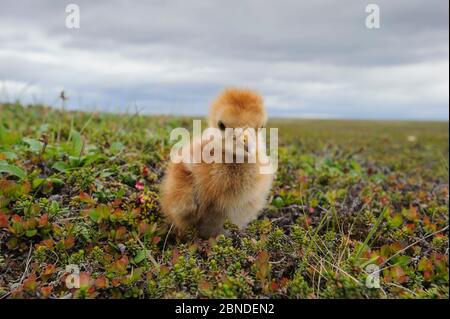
x: 55, y: 181
x: 37, y: 182
x: 13, y: 170
x: 101, y: 212
x: 94, y: 158
x: 372, y: 232
x: 54, y: 207
x: 116, y: 147
x: 9, y: 155
x: 7, y: 137
x: 76, y: 143
x: 278, y: 202
x: 401, y: 260
x: 356, y: 167
x: 140, y: 256
x: 31, y: 232
x: 35, y: 145
x: 396, y: 221
x: 94, y: 214
x: 61, y: 166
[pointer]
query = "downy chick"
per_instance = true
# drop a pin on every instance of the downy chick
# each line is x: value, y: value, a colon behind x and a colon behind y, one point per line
x: 204, y: 195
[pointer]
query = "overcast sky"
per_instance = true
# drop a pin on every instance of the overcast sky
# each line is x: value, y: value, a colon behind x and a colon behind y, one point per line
x: 307, y: 58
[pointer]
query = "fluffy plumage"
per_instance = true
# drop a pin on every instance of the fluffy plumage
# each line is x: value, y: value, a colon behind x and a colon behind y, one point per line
x: 203, y: 195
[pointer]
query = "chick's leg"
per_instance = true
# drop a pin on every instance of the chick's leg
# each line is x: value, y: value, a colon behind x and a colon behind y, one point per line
x: 211, y: 225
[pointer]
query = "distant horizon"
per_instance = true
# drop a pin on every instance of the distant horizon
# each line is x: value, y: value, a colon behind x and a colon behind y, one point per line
x: 203, y: 115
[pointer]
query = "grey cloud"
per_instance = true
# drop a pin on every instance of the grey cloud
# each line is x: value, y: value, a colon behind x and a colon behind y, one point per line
x: 173, y: 56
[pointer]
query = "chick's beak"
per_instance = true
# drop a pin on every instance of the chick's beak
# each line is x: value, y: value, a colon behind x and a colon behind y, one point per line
x: 247, y: 141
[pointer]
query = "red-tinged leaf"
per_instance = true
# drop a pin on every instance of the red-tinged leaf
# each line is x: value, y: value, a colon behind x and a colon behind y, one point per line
x: 387, y: 277
x: 85, y: 280
x: 441, y: 262
x: 307, y: 221
x: 384, y: 201
x: 367, y: 254
x: 29, y: 284
x: 396, y: 246
x: 156, y: 239
x: 284, y: 282
x: 120, y: 233
x: 85, y: 198
x: 46, y: 291
x: 117, y: 202
x: 16, y: 218
x: 115, y: 281
x: 399, y: 275
x: 145, y: 171
x: 410, y: 228
x: 69, y: 242
x: 143, y: 226
x: 274, y: 286
x: 118, y: 213
x: 119, y: 267
x: 49, y: 243
x: 123, y: 260
x: 100, y: 282
x: 175, y: 256
x: 205, y: 285
x: 31, y: 223
x: 262, y: 265
x: 91, y: 292
x: 3, y: 220
x: 425, y: 264
x: 411, y: 213
x: 439, y: 236
x: 49, y: 269
x: 380, y: 260
x: 43, y: 220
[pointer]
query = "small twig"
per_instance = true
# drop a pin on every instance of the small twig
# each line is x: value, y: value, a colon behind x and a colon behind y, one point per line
x: 24, y: 272
x: 165, y: 240
x: 343, y: 271
x: 401, y: 287
x: 147, y: 252
x: 277, y: 262
x: 5, y: 295
x: 320, y: 277
x: 414, y: 243
x: 27, y: 264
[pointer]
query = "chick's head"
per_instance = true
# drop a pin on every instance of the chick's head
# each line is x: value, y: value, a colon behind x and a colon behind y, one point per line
x: 238, y: 114
x: 237, y: 108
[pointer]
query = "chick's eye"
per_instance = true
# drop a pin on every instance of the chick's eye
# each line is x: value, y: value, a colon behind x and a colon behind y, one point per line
x: 221, y: 125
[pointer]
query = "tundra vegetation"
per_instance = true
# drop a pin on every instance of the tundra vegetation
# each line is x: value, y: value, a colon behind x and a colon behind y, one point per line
x: 82, y: 189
